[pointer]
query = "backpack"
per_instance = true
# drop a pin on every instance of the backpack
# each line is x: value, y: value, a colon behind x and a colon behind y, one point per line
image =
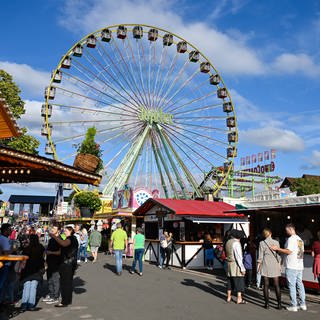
x: 220, y: 253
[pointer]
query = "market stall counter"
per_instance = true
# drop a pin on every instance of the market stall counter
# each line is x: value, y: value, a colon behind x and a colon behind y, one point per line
x: 188, y: 221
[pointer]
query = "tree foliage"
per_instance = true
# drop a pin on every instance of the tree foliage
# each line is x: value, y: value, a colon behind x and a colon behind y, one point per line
x: 10, y: 92
x: 25, y: 143
x: 306, y: 186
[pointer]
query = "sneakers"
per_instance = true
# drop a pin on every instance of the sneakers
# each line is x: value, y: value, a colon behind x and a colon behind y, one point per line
x: 292, y: 309
x: 47, y: 298
x: 140, y: 274
x: 303, y: 307
x: 85, y: 260
x: 52, y: 301
x: 132, y: 272
x: 160, y: 267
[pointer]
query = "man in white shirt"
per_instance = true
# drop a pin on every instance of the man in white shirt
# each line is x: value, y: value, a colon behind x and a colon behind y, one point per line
x: 294, y: 250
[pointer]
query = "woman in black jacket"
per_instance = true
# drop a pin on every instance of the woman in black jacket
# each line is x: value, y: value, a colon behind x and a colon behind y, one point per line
x: 69, y: 250
x: 32, y: 274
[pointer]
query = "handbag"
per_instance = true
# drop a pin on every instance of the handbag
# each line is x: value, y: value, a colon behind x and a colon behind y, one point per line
x: 273, y: 253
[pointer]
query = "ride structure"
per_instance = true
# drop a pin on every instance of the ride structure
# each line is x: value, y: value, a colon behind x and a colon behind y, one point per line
x: 162, y: 112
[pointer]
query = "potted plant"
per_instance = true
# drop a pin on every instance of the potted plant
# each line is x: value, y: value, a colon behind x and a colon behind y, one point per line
x: 89, y: 153
x: 88, y: 203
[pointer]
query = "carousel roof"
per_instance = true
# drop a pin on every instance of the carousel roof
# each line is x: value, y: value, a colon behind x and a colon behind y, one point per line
x: 17, y: 166
x: 190, y: 208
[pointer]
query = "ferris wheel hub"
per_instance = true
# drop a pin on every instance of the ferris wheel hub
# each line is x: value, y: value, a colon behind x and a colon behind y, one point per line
x: 155, y: 116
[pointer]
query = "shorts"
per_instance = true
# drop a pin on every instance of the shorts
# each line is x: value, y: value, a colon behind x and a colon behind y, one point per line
x: 235, y: 284
x: 94, y: 249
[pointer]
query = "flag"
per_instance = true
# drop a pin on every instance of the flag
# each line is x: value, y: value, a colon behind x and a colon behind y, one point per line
x: 266, y: 156
x: 260, y: 157
x: 247, y: 160
x: 243, y: 161
x: 273, y: 154
x: 254, y: 158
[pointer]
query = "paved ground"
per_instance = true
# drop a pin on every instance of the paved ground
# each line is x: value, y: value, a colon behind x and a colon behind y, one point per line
x: 160, y: 294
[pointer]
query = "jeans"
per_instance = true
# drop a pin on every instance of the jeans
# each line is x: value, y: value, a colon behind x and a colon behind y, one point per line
x: 138, y: 254
x: 259, y: 279
x: 162, y: 256
x: 83, y: 252
x: 294, y: 279
x: 118, y: 255
x: 29, y: 293
x: 53, y: 284
x: 168, y: 256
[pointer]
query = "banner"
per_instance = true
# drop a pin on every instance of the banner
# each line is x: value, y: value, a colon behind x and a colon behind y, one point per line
x: 254, y: 158
x: 266, y: 156
x: 247, y: 160
x: 260, y: 157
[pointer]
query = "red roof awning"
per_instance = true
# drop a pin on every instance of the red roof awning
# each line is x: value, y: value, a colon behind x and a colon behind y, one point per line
x: 195, y: 208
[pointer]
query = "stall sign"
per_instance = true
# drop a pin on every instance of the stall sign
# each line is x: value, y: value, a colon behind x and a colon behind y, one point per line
x: 106, y: 206
x: 122, y: 198
x: 151, y: 218
x: 262, y: 168
x: 171, y: 217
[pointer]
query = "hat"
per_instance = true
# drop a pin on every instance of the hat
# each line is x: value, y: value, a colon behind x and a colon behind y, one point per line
x: 70, y: 225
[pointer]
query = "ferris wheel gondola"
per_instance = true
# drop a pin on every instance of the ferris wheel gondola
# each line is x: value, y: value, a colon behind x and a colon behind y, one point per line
x: 163, y: 114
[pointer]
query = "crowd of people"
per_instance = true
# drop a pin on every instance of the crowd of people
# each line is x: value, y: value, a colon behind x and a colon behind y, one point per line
x: 58, y: 254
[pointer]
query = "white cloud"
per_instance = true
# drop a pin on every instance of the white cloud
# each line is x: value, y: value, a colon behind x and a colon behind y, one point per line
x: 314, y: 160
x: 227, y: 53
x: 290, y: 63
x: 31, y: 81
x: 273, y: 137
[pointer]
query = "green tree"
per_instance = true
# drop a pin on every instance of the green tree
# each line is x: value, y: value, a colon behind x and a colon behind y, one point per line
x: 11, y: 93
x: 305, y: 186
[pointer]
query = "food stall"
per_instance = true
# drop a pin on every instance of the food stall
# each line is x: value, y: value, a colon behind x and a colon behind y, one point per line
x: 303, y: 212
x: 188, y: 220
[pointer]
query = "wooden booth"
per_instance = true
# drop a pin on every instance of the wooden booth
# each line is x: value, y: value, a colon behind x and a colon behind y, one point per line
x: 188, y: 220
x: 303, y: 212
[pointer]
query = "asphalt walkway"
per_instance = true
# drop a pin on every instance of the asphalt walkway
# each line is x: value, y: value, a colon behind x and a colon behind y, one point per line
x: 160, y: 294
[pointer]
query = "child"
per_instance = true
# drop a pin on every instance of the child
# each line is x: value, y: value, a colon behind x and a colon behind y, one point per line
x: 247, y: 262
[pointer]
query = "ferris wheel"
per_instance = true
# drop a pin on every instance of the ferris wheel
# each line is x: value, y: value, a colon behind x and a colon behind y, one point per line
x: 164, y: 117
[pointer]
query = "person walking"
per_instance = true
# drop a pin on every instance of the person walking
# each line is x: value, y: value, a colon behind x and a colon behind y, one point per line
x: 138, y: 247
x: 53, y: 263
x: 32, y: 273
x: 69, y: 251
x: 236, y: 270
x: 118, y: 245
x: 95, y: 243
x: 294, y: 251
x: 269, y: 266
x: 315, y: 252
x: 77, y: 234
x: 84, y: 239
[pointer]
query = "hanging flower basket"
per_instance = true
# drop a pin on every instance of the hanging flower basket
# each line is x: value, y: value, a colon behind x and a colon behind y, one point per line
x: 86, y: 162
x: 86, y: 212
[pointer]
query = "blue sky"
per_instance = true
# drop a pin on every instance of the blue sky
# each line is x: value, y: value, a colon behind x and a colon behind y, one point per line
x: 266, y: 51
